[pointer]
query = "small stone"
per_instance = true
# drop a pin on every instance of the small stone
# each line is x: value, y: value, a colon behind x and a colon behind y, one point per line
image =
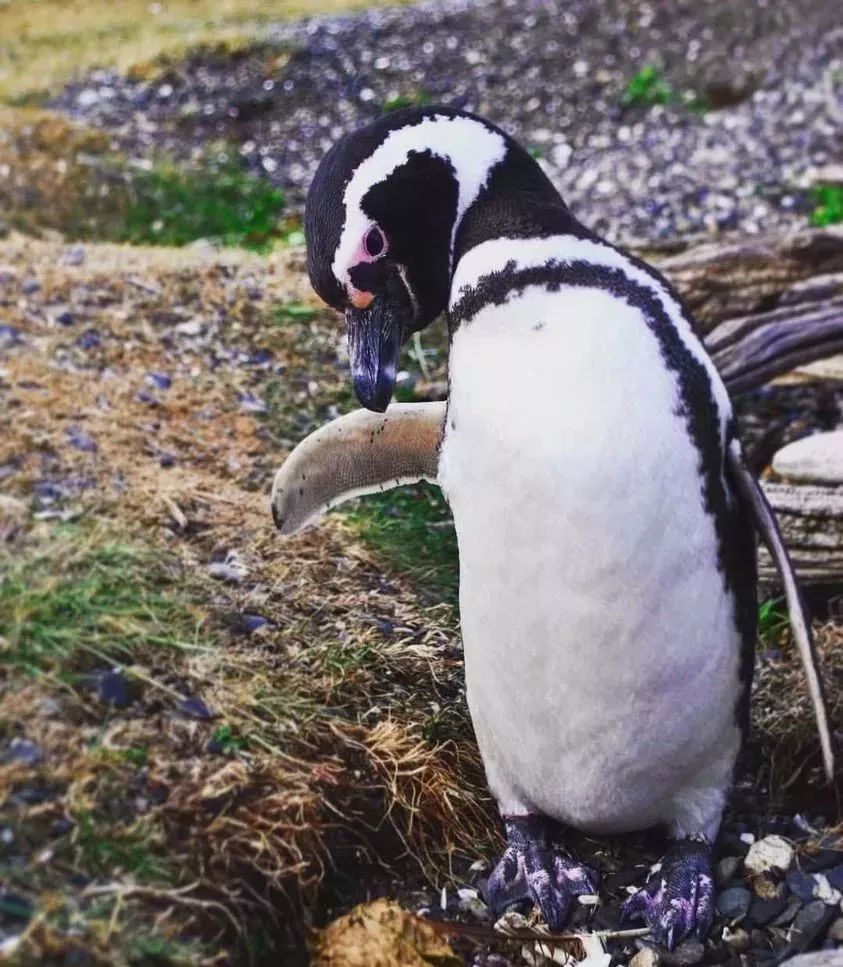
x: 25, y: 751
x: 809, y: 923
x: 159, y: 380
x: 30, y: 286
x: 785, y: 918
x: 81, y: 440
x: 688, y: 952
x: 835, y: 876
x: 802, y: 884
x: 66, y: 318
x: 814, y: 459
x: 648, y: 957
x: 196, y: 708
x: 772, y: 852
x: 250, y: 623
x: 819, y: 958
x: 223, y: 571
x: 75, y: 255
x: 734, y: 902
x: 726, y: 869
x: 835, y: 931
x: 763, y: 912
x: 113, y: 689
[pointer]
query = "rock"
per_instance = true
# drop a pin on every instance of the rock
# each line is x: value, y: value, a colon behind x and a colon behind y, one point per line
x: 75, y: 255
x: 159, y: 380
x: 766, y: 887
x: 763, y: 912
x: 734, y: 902
x: 816, y: 459
x: 25, y: 751
x: 785, y: 918
x: 835, y: 876
x: 726, y: 869
x: 819, y: 958
x: 113, y: 689
x: 809, y: 924
x: 80, y: 440
x: 648, y: 957
x: 835, y: 931
x: 688, y: 952
x: 802, y: 884
x: 772, y: 852
x: 66, y: 318
x: 233, y: 573
x: 249, y: 623
x: 195, y: 708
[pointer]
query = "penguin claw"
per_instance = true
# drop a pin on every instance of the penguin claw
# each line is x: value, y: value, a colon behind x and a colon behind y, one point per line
x: 677, y: 900
x: 532, y: 872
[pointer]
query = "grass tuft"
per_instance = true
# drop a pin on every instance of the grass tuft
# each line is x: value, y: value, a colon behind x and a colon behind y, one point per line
x: 647, y: 88
x: 411, y: 530
x: 172, y: 207
x: 828, y: 205
x: 83, y: 599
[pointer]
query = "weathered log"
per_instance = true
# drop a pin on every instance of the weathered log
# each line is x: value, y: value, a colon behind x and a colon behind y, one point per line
x: 811, y: 519
x: 752, y: 350
x: 724, y: 280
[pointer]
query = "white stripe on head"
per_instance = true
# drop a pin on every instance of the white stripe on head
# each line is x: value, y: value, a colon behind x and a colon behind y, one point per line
x: 472, y: 149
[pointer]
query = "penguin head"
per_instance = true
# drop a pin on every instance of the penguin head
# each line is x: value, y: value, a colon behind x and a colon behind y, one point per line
x: 385, y: 220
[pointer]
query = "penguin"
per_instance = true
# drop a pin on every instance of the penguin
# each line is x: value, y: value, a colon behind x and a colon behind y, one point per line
x: 605, y: 515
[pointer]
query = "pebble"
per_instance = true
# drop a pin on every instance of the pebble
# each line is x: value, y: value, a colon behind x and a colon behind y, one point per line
x: 802, y: 884
x: 648, y: 957
x: 815, y: 459
x: 809, y: 923
x: 224, y: 571
x: 688, y: 952
x: 819, y: 958
x: 25, y: 751
x: 554, y: 74
x: 762, y: 912
x: 772, y: 852
x: 726, y: 869
x: 196, y: 708
x: 734, y: 902
x: 113, y: 689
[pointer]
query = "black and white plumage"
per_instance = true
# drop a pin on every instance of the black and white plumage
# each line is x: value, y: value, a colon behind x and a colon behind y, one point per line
x: 603, y: 513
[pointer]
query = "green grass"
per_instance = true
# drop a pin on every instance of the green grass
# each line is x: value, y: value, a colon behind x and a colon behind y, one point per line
x: 828, y: 205
x: 772, y: 621
x: 414, y: 99
x: 169, y: 206
x: 647, y: 87
x: 411, y: 530
x: 293, y: 312
x: 84, y: 598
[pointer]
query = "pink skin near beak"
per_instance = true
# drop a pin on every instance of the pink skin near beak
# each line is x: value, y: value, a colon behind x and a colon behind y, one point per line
x: 359, y: 299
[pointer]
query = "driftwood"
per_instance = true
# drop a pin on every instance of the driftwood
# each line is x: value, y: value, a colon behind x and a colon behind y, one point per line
x: 764, y: 306
x: 811, y: 519
x: 724, y: 280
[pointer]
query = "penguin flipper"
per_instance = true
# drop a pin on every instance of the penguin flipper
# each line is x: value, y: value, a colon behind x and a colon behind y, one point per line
x: 359, y: 453
x: 767, y: 525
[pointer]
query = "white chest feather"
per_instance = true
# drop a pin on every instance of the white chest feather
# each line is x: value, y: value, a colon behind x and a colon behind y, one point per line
x: 601, y: 651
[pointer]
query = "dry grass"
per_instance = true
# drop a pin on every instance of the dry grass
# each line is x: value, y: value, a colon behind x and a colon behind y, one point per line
x: 325, y: 763
x: 44, y: 42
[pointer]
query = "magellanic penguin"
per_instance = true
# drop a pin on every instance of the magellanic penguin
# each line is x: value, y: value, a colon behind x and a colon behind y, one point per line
x: 604, y: 514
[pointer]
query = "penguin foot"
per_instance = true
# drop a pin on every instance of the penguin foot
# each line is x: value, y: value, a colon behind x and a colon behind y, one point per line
x: 677, y: 900
x: 532, y: 872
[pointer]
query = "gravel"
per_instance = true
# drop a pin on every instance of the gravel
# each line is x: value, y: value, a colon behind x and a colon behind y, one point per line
x: 554, y: 72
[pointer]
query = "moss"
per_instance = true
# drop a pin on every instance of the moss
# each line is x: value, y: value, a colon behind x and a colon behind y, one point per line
x: 646, y: 88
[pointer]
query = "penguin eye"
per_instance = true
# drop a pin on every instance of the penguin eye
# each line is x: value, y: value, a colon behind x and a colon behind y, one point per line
x: 374, y: 242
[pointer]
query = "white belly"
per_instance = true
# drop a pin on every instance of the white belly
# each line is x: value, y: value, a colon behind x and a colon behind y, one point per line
x: 600, y: 645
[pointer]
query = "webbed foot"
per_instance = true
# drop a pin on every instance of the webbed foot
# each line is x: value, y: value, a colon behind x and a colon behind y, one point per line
x: 532, y: 872
x: 678, y: 898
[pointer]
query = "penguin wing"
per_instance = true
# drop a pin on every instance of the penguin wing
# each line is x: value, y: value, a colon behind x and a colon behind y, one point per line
x: 359, y: 453
x: 765, y: 521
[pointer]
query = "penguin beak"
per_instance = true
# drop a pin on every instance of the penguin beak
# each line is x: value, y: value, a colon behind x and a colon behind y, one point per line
x: 376, y: 334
